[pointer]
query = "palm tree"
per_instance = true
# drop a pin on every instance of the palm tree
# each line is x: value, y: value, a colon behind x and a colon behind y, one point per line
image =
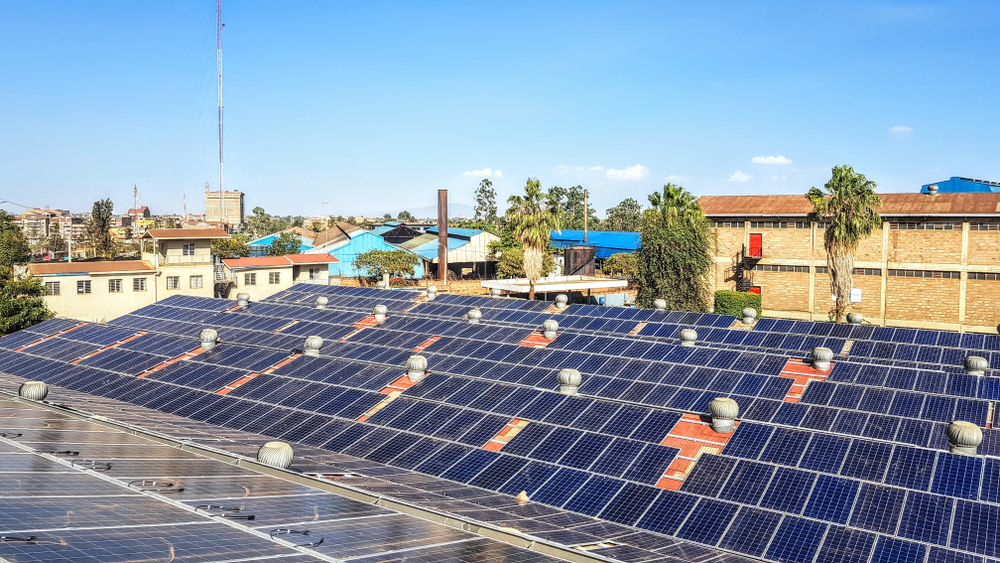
x: 675, y: 203
x: 850, y: 208
x: 531, y: 220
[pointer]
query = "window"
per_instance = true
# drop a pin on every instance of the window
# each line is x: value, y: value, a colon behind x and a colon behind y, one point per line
x: 314, y: 273
x: 114, y: 286
x: 924, y: 274
x: 51, y: 288
x: 729, y: 224
x: 926, y: 226
x: 173, y: 282
x: 274, y: 277
x: 779, y: 268
x: 138, y: 284
x: 984, y: 226
x: 189, y: 249
x: 249, y: 279
x: 83, y: 286
x: 867, y: 272
x: 197, y: 282
x: 972, y: 276
x: 779, y: 225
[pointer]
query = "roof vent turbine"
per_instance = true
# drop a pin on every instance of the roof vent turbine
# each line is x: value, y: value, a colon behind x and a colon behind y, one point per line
x: 749, y: 314
x: 975, y: 365
x: 688, y: 337
x: 660, y: 305
x: 416, y: 368
x: 322, y: 302
x: 380, y: 311
x: 821, y: 358
x: 275, y: 454
x: 494, y: 292
x: 855, y: 318
x: 243, y: 300
x: 34, y: 390
x: 723, y: 411
x: 964, y: 437
x: 312, y: 345
x: 432, y: 292
x: 474, y: 316
x: 549, y: 329
x: 561, y: 301
x: 569, y: 381
x: 932, y: 189
x: 209, y: 338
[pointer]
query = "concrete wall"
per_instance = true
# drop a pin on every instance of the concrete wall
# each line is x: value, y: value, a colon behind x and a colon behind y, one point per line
x: 287, y: 277
x: 100, y: 305
x: 942, y: 303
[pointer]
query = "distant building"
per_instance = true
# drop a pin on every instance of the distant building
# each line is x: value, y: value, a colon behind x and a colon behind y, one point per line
x: 231, y: 204
x: 261, y: 246
x: 468, y: 251
x: 963, y: 185
x: 346, y: 242
x: 933, y: 264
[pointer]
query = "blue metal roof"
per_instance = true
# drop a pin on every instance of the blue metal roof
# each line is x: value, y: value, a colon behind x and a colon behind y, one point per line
x: 266, y: 241
x: 429, y: 250
x: 956, y: 184
x: 456, y: 231
x: 383, y: 229
x: 606, y: 242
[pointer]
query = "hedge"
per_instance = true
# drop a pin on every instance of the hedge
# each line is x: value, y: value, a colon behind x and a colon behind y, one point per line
x: 733, y: 302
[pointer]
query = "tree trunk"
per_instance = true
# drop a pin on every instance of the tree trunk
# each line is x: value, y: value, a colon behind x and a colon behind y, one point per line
x: 841, y: 264
x: 531, y: 290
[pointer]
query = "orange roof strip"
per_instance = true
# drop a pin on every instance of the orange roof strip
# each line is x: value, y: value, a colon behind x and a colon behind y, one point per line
x: 493, y: 446
x: 688, y: 448
x: 166, y: 363
x: 286, y: 326
x: 792, y: 399
x: 535, y: 339
x: 672, y: 484
x: 362, y: 418
x: 43, y: 339
x: 702, y: 432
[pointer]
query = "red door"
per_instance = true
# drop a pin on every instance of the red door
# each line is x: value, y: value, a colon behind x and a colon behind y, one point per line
x: 755, y: 289
x: 756, y: 245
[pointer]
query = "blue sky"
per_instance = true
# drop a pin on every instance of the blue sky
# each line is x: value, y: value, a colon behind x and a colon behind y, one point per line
x: 373, y: 106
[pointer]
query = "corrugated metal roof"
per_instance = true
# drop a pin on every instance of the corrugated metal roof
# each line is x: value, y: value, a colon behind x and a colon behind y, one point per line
x: 915, y: 204
x: 417, y: 241
x: 286, y: 260
x: 606, y: 242
x: 107, y: 267
x: 457, y: 231
x: 177, y: 234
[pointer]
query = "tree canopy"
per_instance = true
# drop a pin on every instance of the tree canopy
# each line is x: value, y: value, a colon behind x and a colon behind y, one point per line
x: 396, y: 263
x: 675, y: 259
x: 406, y: 216
x: 234, y: 247
x: 98, y: 227
x: 849, y: 207
x: 261, y: 224
x: 531, y: 218
x: 486, y: 202
x: 285, y: 243
x: 22, y: 302
x: 570, y: 209
x: 626, y: 216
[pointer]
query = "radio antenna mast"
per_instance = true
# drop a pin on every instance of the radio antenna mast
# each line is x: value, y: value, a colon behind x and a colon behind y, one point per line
x: 222, y: 165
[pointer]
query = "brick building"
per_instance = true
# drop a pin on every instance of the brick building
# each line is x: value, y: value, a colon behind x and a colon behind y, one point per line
x: 934, y: 264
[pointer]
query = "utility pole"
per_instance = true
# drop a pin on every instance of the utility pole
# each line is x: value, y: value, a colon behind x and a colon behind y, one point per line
x: 135, y: 197
x: 586, y: 215
x: 184, y: 200
x: 222, y: 177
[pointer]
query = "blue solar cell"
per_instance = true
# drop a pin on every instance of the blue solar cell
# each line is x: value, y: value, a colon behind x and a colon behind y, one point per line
x: 617, y: 457
x: 667, y: 512
x: 629, y: 504
x: 458, y: 425
x: 878, y: 508
x: 776, y: 388
x: 625, y: 421
x: 914, y: 432
x: 976, y: 527
x: 957, y: 476
x: 556, y: 444
x: 881, y: 427
x: 527, y: 439
x: 818, y: 393
x: 796, y: 540
x: 563, y: 485
x: 941, y: 555
x: 751, y: 531
x: 748, y: 482
x: 892, y: 550
x: 832, y: 499
x: 596, y: 415
x: 470, y: 465
x: 788, y: 490
x: 876, y: 400
x: 708, y: 521
x: 976, y: 412
x: 926, y: 518
x: 846, y: 397
x: 872, y: 375
x: 708, y: 475
x: 939, y: 409
x: 867, y: 460
x: 790, y: 414
x: 991, y: 481
x: 844, y: 545
x: 594, y: 495
x: 751, y: 384
x: 748, y: 440
x: 762, y: 410
x: 498, y: 472
x: 651, y: 464
x: 529, y: 479
x: 850, y: 422
x: 786, y: 446
x: 482, y: 431
x: 587, y: 449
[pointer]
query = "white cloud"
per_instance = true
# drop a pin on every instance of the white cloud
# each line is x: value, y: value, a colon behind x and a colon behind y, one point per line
x: 485, y: 172
x: 771, y: 160
x: 636, y: 172
x: 739, y: 177
x: 562, y: 168
x: 900, y: 129
x: 675, y: 179
x: 595, y: 169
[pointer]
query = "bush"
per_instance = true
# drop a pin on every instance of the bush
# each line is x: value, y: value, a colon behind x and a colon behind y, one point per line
x: 621, y: 265
x: 733, y: 302
x: 511, y: 264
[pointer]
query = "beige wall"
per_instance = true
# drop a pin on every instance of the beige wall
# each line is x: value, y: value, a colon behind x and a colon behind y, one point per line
x: 185, y: 273
x: 942, y: 303
x: 287, y: 277
x: 99, y: 305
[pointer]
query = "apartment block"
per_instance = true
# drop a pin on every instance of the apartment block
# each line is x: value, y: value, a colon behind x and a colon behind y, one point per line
x: 226, y: 208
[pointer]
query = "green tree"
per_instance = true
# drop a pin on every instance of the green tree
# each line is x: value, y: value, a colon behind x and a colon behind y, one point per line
x: 22, y: 302
x: 396, y: 263
x: 98, y: 228
x: 285, y: 243
x: 621, y: 265
x: 387, y: 217
x: 261, y: 224
x: 850, y: 207
x: 486, y: 202
x: 511, y: 264
x: 675, y: 257
x: 56, y: 242
x: 531, y: 219
x: 406, y: 216
x: 626, y: 216
x: 233, y: 247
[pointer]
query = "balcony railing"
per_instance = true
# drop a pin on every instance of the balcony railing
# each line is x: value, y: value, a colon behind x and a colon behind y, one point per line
x: 172, y: 260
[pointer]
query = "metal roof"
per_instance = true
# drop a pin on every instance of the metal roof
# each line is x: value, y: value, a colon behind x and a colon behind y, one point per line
x: 893, y: 204
x: 606, y: 242
x: 106, y: 267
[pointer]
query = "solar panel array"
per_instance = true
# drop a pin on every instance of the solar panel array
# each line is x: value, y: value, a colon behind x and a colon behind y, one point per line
x: 857, y: 469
